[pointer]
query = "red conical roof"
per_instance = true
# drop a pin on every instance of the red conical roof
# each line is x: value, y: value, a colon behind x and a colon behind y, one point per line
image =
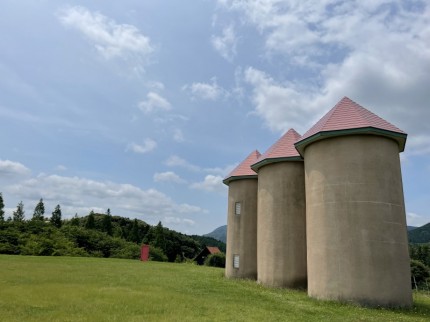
x: 282, y: 150
x: 348, y: 117
x: 243, y: 170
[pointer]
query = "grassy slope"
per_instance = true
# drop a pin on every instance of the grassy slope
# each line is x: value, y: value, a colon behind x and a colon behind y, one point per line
x: 94, y: 289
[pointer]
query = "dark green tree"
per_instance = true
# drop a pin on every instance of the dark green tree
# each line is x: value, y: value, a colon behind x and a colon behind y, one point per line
x: 419, y: 273
x: 134, y: 233
x: 159, y: 236
x: 75, y: 220
x: 215, y: 260
x: 1, y: 208
x: 18, y: 214
x: 39, y: 211
x: 90, y: 223
x: 107, y: 223
x: 56, y: 217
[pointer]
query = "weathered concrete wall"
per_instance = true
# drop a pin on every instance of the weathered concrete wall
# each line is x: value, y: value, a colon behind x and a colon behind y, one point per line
x: 242, y: 229
x: 281, y: 228
x: 356, y: 224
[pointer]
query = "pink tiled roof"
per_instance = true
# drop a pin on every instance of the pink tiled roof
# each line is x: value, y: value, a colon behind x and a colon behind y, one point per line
x: 244, y: 168
x: 283, y: 148
x: 213, y: 249
x: 348, y: 115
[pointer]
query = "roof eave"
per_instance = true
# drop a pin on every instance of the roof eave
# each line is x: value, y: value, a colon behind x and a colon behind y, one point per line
x: 400, y: 138
x: 262, y: 163
x: 227, y: 181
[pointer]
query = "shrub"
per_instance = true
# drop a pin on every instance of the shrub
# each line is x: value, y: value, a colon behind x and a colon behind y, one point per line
x: 156, y: 254
x: 419, y: 272
x: 215, y: 260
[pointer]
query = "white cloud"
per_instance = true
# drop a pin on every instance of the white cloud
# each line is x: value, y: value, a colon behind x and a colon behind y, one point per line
x: 206, y: 91
x: 178, y: 136
x: 418, y: 144
x: 80, y: 195
x: 154, y: 102
x: 109, y: 38
x: 280, y: 106
x: 155, y: 85
x: 168, y: 176
x: 416, y: 220
x: 175, y: 161
x: 11, y: 168
x: 60, y: 167
x: 148, y: 145
x: 375, y: 52
x: 210, y: 183
x: 221, y: 171
x: 226, y: 44
x: 177, y: 220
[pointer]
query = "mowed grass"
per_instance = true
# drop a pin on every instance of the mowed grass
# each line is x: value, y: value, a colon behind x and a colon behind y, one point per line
x: 93, y: 289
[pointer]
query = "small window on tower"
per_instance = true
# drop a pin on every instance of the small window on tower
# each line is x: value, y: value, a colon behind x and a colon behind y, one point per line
x: 237, y: 208
x: 235, y: 261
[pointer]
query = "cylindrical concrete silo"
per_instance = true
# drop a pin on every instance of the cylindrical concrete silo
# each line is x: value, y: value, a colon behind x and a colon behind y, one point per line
x: 356, y: 224
x: 241, y: 253
x: 281, y: 219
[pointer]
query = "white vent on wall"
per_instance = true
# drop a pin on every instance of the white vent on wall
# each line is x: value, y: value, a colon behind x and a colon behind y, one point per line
x: 237, y: 208
x: 236, y: 261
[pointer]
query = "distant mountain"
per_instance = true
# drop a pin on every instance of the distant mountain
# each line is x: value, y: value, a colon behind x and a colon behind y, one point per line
x: 420, y: 235
x: 416, y: 234
x: 219, y: 234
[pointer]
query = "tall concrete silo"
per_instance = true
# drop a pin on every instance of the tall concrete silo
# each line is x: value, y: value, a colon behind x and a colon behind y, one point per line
x: 241, y: 255
x: 356, y: 224
x: 281, y: 223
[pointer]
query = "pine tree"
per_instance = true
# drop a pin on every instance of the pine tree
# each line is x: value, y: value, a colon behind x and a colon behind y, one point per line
x: 1, y: 208
x: 107, y: 223
x: 90, y: 224
x: 56, y: 217
x: 159, y: 238
x: 39, y: 211
x: 75, y: 220
x: 134, y: 233
x: 18, y: 215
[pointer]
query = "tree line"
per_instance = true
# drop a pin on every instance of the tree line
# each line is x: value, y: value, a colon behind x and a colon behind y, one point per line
x: 97, y: 235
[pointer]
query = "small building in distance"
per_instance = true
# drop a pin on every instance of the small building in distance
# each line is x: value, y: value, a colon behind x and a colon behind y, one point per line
x: 144, y: 253
x: 208, y: 250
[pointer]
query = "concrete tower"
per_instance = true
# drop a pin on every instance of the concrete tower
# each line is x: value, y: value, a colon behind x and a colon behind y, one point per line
x: 281, y: 223
x: 357, y: 243
x: 241, y: 257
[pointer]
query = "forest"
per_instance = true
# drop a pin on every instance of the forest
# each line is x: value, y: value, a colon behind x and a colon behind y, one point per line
x: 96, y: 235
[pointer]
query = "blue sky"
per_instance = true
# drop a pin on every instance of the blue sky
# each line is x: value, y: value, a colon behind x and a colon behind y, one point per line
x: 144, y: 106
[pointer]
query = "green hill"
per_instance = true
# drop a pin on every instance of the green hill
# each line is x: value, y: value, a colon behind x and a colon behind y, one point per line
x: 100, y: 235
x: 420, y: 235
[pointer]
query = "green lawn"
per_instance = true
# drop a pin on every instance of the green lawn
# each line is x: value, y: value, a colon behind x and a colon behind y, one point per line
x: 94, y: 289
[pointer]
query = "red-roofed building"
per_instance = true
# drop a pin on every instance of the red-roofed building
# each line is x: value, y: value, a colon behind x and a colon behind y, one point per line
x: 347, y: 118
x: 208, y: 250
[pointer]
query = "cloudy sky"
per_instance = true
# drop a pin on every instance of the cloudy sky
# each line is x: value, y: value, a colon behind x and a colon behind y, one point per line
x: 144, y: 106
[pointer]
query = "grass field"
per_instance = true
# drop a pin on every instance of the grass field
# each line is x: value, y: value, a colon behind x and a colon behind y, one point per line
x: 94, y: 289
